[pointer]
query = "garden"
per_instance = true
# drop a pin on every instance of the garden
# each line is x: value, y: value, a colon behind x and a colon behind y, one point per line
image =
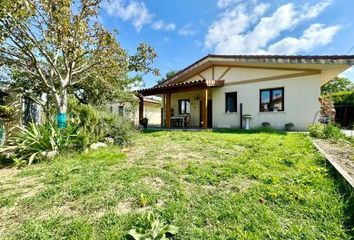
x: 192, y: 185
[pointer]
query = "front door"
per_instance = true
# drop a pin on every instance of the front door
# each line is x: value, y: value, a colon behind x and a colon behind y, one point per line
x: 210, y: 113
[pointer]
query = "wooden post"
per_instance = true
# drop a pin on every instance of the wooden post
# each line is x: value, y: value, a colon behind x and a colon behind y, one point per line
x: 168, y: 110
x: 205, y: 108
x: 141, y: 108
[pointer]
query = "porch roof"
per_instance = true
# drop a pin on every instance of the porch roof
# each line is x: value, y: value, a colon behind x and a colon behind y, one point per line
x: 180, y: 87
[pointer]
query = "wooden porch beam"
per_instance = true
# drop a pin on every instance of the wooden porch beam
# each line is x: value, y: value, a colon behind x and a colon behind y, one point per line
x: 168, y: 110
x: 224, y: 73
x: 205, y: 108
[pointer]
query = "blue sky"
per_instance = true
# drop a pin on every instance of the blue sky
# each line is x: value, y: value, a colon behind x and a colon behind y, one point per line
x: 186, y: 30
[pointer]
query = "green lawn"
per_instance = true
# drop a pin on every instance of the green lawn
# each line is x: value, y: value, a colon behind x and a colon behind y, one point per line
x: 211, y: 185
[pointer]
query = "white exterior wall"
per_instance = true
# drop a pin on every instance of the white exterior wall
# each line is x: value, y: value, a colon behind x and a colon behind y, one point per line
x: 300, y: 98
x: 300, y: 103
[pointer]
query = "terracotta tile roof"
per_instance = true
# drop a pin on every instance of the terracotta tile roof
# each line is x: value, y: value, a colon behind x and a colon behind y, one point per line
x: 160, y: 89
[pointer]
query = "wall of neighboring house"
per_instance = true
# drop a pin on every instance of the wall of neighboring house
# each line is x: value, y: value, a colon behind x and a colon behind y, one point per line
x: 152, y: 111
x: 300, y: 96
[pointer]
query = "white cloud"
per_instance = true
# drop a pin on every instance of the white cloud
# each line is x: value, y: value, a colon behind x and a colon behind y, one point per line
x: 247, y: 29
x: 136, y: 12
x: 161, y: 25
x: 314, y: 36
x: 133, y: 11
x: 187, y: 30
x: 227, y: 3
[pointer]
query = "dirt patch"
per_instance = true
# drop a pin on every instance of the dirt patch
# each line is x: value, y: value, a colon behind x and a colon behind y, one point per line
x: 155, y: 183
x: 25, y: 187
x: 341, y: 153
x: 8, y: 174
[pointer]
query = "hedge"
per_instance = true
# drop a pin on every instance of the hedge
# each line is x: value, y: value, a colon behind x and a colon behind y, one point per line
x: 343, y: 98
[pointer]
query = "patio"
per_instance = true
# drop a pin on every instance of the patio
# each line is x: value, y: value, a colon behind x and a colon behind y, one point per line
x: 186, y: 104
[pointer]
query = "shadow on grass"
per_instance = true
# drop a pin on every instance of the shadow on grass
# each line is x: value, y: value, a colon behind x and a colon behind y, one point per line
x: 219, y: 130
x: 5, y: 162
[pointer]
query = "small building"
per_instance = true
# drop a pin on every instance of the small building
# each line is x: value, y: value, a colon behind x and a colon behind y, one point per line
x: 218, y: 90
x: 152, y: 111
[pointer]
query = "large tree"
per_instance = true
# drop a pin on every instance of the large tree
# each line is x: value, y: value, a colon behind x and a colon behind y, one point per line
x: 338, y: 84
x: 167, y: 76
x: 60, y: 46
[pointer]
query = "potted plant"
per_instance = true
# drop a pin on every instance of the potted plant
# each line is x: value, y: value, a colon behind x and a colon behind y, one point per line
x: 144, y: 122
x: 266, y: 124
x: 289, y: 126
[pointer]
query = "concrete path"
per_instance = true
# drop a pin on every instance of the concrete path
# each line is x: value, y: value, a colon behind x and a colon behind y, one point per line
x: 349, y: 133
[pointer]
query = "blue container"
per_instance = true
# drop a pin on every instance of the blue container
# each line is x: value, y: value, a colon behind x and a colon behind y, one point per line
x: 61, y: 119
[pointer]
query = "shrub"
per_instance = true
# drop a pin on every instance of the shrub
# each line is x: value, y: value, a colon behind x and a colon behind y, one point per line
x: 85, y: 126
x: 33, y: 143
x: 95, y: 125
x: 330, y: 131
x: 316, y: 130
x: 117, y: 127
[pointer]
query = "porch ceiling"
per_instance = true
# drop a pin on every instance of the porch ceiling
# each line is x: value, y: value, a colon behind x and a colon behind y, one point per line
x: 180, y: 87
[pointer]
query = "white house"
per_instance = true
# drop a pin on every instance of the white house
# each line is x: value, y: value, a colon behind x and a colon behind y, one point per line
x: 217, y: 90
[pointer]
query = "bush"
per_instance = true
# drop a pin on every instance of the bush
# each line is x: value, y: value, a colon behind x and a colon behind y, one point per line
x: 95, y: 125
x: 343, y: 98
x: 85, y: 126
x: 316, y: 130
x: 33, y: 143
x: 117, y: 127
x: 329, y: 131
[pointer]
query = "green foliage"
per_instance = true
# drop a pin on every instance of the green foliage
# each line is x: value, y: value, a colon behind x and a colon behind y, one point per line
x: 97, y: 124
x: 167, y: 76
x: 6, y: 112
x: 343, y: 98
x: 34, y: 143
x: 316, y: 130
x: 59, y: 47
x: 152, y: 228
x: 86, y: 125
x: 329, y: 131
x: 117, y: 127
x: 338, y: 84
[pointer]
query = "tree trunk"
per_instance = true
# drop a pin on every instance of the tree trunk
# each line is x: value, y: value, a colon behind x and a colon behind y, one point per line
x: 62, y: 108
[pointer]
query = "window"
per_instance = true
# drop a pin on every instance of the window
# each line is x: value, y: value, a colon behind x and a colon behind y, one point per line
x: 231, y: 102
x: 184, y: 106
x: 121, y: 110
x: 272, y: 100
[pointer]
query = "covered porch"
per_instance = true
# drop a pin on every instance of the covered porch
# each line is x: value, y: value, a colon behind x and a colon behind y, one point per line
x: 185, y: 105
